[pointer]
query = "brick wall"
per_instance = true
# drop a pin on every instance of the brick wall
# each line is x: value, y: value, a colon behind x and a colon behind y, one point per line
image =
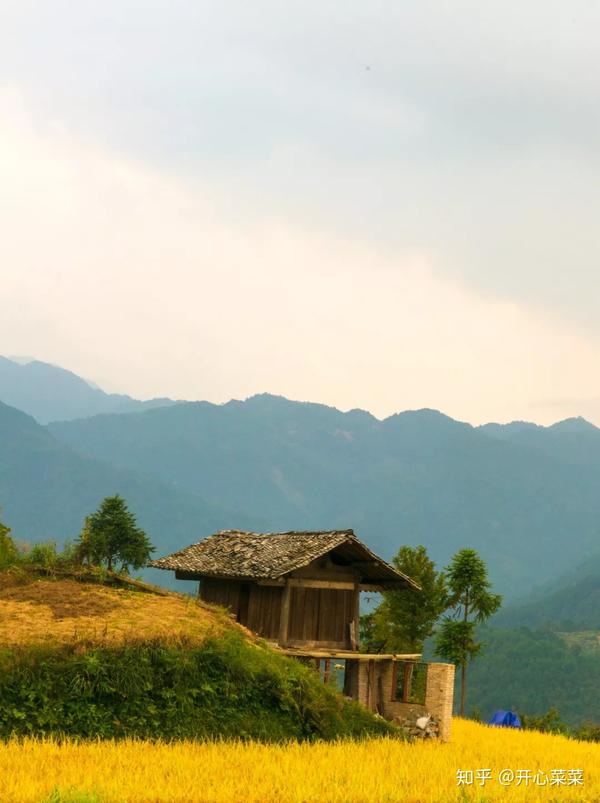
x: 375, y: 693
x: 439, y: 696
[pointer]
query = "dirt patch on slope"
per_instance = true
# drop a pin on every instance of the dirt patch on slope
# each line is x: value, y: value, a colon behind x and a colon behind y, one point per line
x: 67, y: 599
x: 48, y: 610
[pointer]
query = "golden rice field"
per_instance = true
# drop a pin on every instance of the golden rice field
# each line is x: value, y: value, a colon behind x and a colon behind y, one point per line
x: 379, y: 770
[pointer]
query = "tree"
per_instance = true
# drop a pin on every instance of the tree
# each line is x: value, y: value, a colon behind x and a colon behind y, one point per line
x: 8, y: 550
x: 111, y: 535
x: 83, y: 546
x: 470, y: 596
x: 405, y: 618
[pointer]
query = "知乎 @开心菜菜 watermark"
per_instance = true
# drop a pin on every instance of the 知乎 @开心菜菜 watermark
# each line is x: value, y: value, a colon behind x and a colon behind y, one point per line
x: 510, y: 777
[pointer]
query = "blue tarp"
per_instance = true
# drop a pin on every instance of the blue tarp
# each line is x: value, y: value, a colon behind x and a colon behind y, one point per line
x: 506, y: 719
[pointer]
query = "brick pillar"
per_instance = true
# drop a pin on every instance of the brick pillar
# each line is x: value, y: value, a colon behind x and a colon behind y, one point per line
x: 439, y: 696
x: 364, y: 687
x: 368, y: 684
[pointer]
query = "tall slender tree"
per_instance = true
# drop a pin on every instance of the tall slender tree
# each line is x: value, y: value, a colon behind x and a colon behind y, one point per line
x: 473, y: 602
x: 405, y: 618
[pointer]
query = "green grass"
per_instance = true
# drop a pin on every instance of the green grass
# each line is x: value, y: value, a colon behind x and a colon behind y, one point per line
x: 226, y: 687
x: 71, y: 796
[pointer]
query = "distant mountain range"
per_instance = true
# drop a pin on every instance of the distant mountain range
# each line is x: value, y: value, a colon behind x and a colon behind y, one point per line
x: 525, y: 496
x: 47, y: 489
x: 50, y: 393
x: 569, y: 602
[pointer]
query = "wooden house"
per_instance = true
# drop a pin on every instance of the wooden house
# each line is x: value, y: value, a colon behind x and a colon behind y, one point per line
x: 300, y: 589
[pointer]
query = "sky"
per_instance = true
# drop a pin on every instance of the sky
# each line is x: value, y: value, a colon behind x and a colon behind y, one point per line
x: 384, y: 205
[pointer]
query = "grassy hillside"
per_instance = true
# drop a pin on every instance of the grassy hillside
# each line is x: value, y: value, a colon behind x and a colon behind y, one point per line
x: 38, y: 609
x: 377, y: 771
x: 78, y: 659
x: 417, y: 477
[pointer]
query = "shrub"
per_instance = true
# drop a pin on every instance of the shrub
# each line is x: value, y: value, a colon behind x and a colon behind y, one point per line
x: 8, y: 550
x: 550, y: 722
x: 225, y: 687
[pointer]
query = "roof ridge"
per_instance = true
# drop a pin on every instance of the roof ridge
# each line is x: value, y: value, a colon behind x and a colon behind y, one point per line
x: 346, y: 531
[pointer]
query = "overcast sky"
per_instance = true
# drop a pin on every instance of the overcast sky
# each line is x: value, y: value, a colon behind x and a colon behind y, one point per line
x: 384, y: 205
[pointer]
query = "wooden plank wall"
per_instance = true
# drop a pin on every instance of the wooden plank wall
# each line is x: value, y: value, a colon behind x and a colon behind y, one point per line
x: 221, y: 592
x: 316, y: 616
x: 264, y: 609
x: 319, y: 614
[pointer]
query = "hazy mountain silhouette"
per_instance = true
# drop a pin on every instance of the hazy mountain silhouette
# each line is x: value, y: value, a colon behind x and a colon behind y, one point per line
x: 46, y: 490
x: 528, y: 500
x: 569, y: 602
x: 50, y: 393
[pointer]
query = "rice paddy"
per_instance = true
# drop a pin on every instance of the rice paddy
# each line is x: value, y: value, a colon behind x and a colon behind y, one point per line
x: 535, y: 767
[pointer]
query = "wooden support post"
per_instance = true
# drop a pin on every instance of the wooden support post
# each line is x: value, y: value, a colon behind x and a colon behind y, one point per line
x: 353, y: 641
x: 284, y: 616
x: 379, y: 704
x: 371, y: 685
x: 327, y: 670
x: 394, y: 696
x: 356, y: 639
x: 406, y: 682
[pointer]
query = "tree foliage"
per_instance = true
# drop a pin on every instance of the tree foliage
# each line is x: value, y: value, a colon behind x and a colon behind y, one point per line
x: 8, y: 549
x: 405, y: 618
x: 469, y: 593
x: 111, y: 536
x: 531, y: 671
x: 222, y: 688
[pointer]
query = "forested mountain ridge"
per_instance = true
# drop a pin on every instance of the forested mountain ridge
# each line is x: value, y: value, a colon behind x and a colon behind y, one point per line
x: 532, y: 671
x: 50, y: 393
x: 573, y: 440
x: 570, y: 602
x: 415, y: 477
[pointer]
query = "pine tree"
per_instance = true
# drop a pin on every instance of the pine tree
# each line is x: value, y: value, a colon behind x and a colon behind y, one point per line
x: 111, y: 536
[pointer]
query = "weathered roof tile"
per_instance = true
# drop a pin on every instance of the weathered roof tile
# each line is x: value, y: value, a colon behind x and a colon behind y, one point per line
x: 263, y: 556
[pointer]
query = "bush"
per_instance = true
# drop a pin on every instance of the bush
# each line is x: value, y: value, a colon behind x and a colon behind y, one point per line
x: 224, y: 688
x: 550, y: 722
x: 588, y: 732
x: 46, y: 555
x: 8, y: 550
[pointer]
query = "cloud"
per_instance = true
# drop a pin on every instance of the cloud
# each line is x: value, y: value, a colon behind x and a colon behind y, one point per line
x: 128, y: 273
x: 473, y: 134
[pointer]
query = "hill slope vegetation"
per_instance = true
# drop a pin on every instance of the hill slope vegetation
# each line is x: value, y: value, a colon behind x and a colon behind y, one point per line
x: 78, y: 659
x: 571, y: 602
x: 532, y: 671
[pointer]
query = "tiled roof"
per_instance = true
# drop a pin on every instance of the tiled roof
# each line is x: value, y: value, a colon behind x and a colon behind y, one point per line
x: 263, y: 556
